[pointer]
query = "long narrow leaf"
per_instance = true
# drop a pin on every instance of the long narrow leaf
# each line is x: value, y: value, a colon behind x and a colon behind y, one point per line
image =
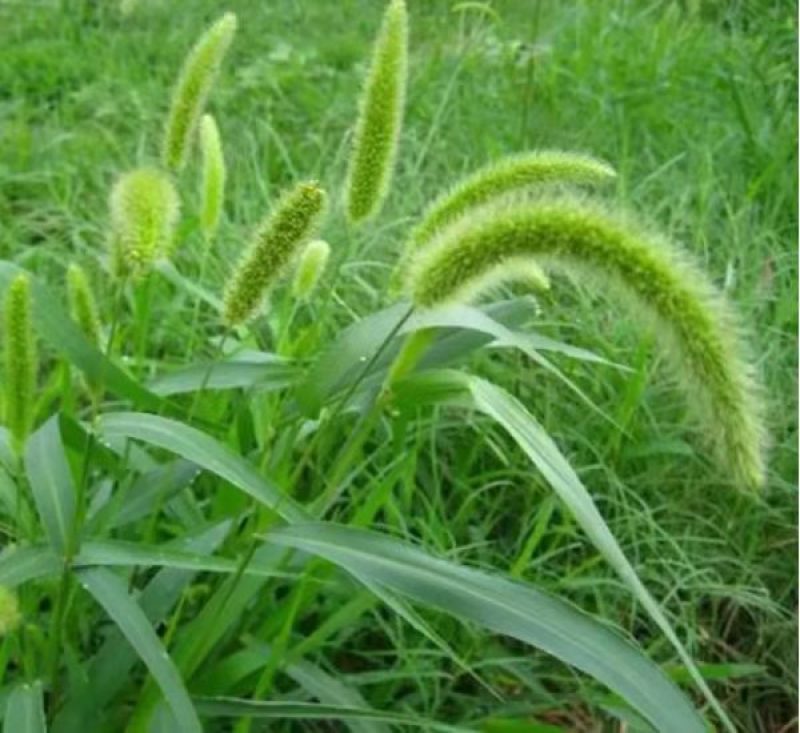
x: 202, y: 450
x: 506, y: 607
x: 25, y: 710
x: 51, y: 483
x: 110, y: 592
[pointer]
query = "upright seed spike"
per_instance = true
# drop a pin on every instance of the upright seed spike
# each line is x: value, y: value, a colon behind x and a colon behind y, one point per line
x: 380, y: 117
x: 20, y: 359
x: 144, y: 211
x: 191, y: 91
x: 213, y: 191
x: 276, y: 242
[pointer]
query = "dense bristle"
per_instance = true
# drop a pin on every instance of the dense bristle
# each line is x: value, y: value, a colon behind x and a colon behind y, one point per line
x: 20, y: 359
x: 691, y: 319
x: 191, y: 91
x: 294, y: 219
x: 380, y: 117
x: 144, y: 211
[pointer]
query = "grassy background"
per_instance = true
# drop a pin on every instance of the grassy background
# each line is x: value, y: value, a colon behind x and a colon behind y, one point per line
x: 695, y: 104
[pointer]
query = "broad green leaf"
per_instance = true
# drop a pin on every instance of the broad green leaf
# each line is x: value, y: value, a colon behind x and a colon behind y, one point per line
x: 506, y: 607
x: 202, y: 450
x: 52, y: 323
x: 20, y: 564
x: 51, y: 483
x: 110, y: 592
x: 230, y: 707
x: 267, y: 372
x: 25, y: 710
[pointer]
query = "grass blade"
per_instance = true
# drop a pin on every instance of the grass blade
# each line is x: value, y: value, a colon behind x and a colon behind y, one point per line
x: 20, y: 564
x: 110, y: 592
x: 506, y: 607
x: 25, y: 710
x: 204, y: 451
x: 231, y: 707
x: 51, y: 483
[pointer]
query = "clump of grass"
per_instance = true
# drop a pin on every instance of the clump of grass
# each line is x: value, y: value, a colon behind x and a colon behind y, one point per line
x: 380, y: 117
x: 310, y: 267
x: 276, y: 242
x: 144, y: 211
x: 690, y: 317
x: 191, y: 91
x: 20, y: 359
x: 213, y: 184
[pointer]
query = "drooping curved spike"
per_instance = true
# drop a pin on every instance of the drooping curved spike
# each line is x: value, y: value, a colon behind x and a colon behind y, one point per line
x: 691, y: 319
x: 283, y: 232
x: 380, y: 117
x: 192, y: 88
x: 509, y: 175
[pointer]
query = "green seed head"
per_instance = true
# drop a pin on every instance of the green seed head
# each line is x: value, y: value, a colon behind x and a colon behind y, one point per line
x: 213, y: 176
x: 144, y: 211
x: 509, y: 175
x: 276, y: 242
x: 10, y: 616
x: 191, y: 91
x: 82, y: 305
x: 380, y: 117
x: 692, y: 321
x: 20, y: 359
x: 310, y: 267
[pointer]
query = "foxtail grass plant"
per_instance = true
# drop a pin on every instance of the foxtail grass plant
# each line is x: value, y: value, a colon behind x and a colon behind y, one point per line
x: 233, y: 512
x: 380, y: 117
x: 21, y: 361
x: 194, y: 84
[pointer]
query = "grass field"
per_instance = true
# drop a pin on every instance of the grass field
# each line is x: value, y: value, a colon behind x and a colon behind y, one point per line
x: 694, y: 104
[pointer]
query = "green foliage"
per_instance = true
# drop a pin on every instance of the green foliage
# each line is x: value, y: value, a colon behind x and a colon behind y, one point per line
x: 144, y: 211
x: 380, y: 117
x: 192, y: 89
x: 21, y: 362
x: 310, y: 267
x: 213, y: 189
x: 689, y: 317
x: 294, y: 219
